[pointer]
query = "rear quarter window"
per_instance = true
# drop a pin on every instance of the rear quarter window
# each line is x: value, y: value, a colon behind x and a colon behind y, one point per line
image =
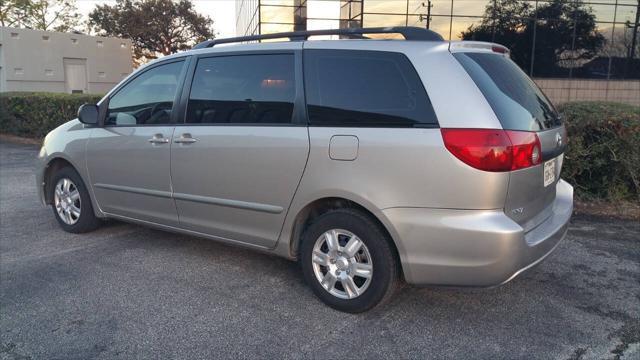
x: 364, y: 89
x: 516, y: 100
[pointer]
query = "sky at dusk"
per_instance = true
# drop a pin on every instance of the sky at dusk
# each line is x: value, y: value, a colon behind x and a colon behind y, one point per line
x: 224, y: 16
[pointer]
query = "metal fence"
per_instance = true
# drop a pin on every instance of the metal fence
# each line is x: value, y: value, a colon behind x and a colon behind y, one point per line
x: 568, y: 39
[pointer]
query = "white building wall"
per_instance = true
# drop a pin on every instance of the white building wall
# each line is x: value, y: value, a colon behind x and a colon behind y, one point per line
x: 33, y: 60
x: 566, y: 90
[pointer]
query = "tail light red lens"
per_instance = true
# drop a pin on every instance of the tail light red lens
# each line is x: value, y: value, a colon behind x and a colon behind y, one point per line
x: 494, y: 150
x: 525, y: 147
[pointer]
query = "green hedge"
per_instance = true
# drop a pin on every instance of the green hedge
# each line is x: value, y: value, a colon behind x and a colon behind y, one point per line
x: 602, y: 161
x: 33, y: 115
x: 603, y: 158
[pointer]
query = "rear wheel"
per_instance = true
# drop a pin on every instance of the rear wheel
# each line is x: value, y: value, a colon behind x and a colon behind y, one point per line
x: 348, y: 261
x: 71, y: 203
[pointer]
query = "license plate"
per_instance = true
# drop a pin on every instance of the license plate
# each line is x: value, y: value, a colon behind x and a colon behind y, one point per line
x: 549, y: 172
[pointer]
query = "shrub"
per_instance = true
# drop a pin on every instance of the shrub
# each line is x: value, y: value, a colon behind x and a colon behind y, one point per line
x: 603, y: 156
x: 602, y: 160
x: 33, y: 115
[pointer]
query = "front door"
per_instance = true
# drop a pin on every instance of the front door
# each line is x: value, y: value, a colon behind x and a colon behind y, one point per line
x: 238, y: 159
x: 128, y: 158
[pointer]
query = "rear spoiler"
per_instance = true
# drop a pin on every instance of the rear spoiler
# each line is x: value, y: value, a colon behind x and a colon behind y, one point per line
x: 478, y: 46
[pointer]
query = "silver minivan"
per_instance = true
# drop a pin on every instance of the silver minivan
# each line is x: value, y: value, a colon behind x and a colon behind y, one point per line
x: 368, y: 161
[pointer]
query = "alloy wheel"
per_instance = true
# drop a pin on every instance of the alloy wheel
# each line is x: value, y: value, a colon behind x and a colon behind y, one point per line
x: 342, y: 264
x: 67, y: 201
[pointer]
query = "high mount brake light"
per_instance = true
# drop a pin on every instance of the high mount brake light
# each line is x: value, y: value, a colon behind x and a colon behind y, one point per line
x: 499, y: 49
x: 494, y: 150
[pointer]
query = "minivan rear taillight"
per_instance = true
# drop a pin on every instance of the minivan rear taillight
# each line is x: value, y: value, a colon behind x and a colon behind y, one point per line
x: 494, y: 150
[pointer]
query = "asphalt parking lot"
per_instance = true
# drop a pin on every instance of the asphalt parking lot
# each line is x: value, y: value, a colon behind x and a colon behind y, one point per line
x: 127, y: 291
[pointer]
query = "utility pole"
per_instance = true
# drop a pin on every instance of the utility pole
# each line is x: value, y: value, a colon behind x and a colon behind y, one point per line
x: 634, y: 39
x: 427, y: 16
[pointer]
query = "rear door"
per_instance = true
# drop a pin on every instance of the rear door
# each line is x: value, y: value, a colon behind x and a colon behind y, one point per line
x: 238, y: 158
x: 520, y: 105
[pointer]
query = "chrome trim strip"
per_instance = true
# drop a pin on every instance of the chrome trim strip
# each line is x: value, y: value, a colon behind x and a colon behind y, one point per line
x: 135, y: 190
x: 272, y: 209
x: 188, y: 232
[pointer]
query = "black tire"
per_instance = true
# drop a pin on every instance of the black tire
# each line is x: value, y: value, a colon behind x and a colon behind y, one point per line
x: 385, y: 263
x: 87, y: 221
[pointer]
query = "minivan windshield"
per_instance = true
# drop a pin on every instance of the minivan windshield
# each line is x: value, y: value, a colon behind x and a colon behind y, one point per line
x: 517, y: 101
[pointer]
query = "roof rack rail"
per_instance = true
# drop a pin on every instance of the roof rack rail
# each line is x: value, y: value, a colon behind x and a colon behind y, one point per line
x: 408, y: 32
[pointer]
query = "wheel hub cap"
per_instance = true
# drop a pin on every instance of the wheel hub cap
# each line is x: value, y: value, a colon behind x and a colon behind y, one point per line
x: 342, y: 263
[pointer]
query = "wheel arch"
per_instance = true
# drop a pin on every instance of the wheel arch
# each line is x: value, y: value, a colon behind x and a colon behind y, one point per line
x: 312, y: 210
x: 54, y: 165
x: 57, y: 162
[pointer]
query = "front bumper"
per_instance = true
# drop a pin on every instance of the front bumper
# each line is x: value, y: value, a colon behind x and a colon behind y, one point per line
x: 474, y: 247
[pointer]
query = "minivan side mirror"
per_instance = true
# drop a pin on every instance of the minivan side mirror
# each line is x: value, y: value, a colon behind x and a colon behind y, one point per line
x: 88, y: 114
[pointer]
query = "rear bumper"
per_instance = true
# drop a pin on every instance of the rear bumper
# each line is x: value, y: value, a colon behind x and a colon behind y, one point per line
x: 474, y: 247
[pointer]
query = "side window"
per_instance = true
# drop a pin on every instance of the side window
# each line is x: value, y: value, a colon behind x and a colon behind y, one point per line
x: 244, y: 89
x: 365, y: 89
x: 147, y: 99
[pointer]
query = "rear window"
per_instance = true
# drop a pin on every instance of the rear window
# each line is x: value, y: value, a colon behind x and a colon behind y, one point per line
x: 515, y: 98
x: 364, y: 89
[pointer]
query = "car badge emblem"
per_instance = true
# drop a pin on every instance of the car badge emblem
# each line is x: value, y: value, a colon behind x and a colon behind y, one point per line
x: 558, y: 139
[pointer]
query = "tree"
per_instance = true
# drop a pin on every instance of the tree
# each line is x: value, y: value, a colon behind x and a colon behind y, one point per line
x: 9, y: 14
x: 48, y: 15
x: 564, y: 31
x: 154, y: 26
x: 502, y: 23
x: 503, y: 16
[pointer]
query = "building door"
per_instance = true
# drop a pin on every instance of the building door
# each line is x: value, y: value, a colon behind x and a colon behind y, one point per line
x: 75, y: 75
x: 1, y: 71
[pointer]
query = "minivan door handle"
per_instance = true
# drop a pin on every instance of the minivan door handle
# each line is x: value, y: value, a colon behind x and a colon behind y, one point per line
x: 185, y: 139
x: 158, y: 139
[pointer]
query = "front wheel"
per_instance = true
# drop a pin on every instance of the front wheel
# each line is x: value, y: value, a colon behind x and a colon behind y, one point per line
x: 348, y: 261
x: 71, y: 203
